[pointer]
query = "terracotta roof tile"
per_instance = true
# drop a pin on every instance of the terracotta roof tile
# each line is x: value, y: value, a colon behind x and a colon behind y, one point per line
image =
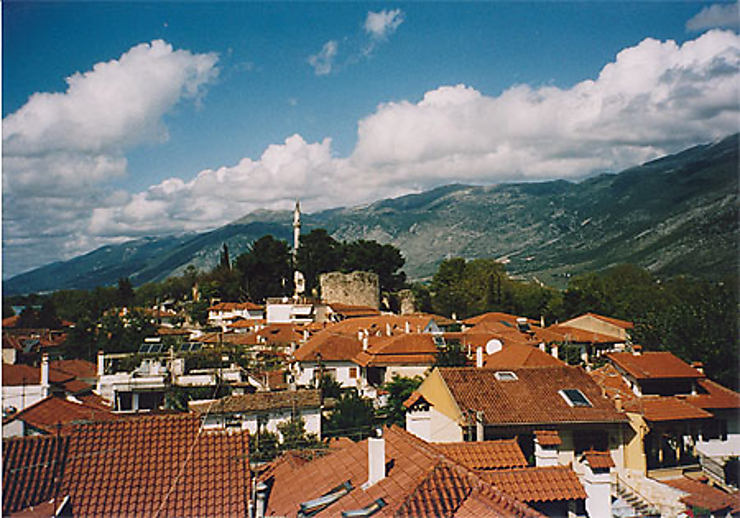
x: 495, y: 316
x: 714, y: 396
x: 574, y: 334
x: 548, y: 437
x: 533, y: 398
x: 485, y: 454
x: 14, y: 375
x: 665, y: 408
x: 513, y: 356
x: 653, y: 365
x: 77, y: 368
x: 161, y: 463
x: 234, y: 306
x: 349, y: 311
x: 260, y: 401
x: 420, y: 481
x: 705, y: 496
x: 542, y: 484
x: 599, y: 459
x: 624, y: 324
x: 32, y: 470
x: 54, y: 414
x: 403, y: 349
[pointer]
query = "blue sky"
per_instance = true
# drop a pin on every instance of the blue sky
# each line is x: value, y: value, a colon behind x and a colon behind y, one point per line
x: 184, y: 116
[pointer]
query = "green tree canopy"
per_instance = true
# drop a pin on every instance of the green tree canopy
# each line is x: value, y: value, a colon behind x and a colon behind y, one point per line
x: 384, y: 260
x: 318, y: 253
x: 353, y: 417
x: 399, y: 389
x: 266, y: 269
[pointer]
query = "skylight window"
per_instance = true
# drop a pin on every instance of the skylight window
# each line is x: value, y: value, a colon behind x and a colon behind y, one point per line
x: 575, y: 397
x: 312, y: 507
x: 365, y: 511
x: 505, y: 376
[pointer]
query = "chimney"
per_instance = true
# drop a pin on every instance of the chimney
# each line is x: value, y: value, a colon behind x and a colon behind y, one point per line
x: 618, y: 403
x: 407, y: 327
x: 542, y: 346
x: 597, y: 483
x: 554, y: 351
x: 101, y: 363
x: 479, y: 431
x: 260, y: 500
x: 698, y: 366
x: 388, y: 331
x: 360, y: 334
x: 375, y: 458
x: 364, y: 343
x: 542, y: 321
x: 479, y: 357
x: 546, y: 444
x: 45, y: 375
x: 305, y: 335
x: 637, y: 350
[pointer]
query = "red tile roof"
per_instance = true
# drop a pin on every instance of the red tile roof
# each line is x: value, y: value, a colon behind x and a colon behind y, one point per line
x: 653, y: 365
x: 624, y: 324
x: 610, y: 379
x: 11, y: 321
x: 32, y: 470
x: 576, y: 335
x: 420, y: 481
x: 513, y: 356
x: 543, y: 484
x: 18, y: 374
x: 599, y: 459
x: 705, y: 496
x: 77, y: 368
x: 533, y: 398
x: 54, y: 414
x: 403, y: 349
x: 349, y: 311
x: 76, y: 387
x: 260, y: 401
x: 235, y: 306
x: 331, y: 346
x: 714, y: 396
x: 485, y: 454
x: 665, y: 408
x: 495, y: 316
x: 159, y: 464
x: 548, y: 437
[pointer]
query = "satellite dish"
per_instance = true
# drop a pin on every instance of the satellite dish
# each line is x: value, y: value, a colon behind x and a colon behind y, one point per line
x: 493, y: 346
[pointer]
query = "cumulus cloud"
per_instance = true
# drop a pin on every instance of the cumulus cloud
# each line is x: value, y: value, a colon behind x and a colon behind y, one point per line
x: 323, y: 61
x: 384, y: 23
x: 725, y: 16
x: 655, y: 98
x: 59, y: 149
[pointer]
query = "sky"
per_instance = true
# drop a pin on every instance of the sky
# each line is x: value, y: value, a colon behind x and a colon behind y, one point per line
x: 125, y: 120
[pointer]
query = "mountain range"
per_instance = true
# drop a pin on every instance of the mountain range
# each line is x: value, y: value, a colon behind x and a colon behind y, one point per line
x: 674, y: 215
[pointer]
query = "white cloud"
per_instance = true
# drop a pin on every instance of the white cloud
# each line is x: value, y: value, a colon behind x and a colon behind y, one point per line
x: 724, y: 15
x: 654, y: 98
x: 384, y: 23
x: 323, y: 61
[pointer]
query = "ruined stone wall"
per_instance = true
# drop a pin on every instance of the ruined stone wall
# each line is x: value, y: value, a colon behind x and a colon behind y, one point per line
x: 356, y: 288
x: 407, y: 302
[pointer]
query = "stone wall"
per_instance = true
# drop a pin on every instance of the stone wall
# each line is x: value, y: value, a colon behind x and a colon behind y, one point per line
x: 356, y: 288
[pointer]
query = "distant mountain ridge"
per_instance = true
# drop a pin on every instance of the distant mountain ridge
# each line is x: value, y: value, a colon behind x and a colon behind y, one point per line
x: 676, y: 214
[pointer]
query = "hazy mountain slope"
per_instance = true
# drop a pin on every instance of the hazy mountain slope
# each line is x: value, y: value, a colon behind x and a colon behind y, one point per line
x: 673, y: 215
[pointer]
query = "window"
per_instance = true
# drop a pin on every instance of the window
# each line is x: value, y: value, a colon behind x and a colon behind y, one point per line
x: 575, y: 397
x: 365, y: 511
x: 505, y: 376
x: 312, y: 507
x: 353, y: 372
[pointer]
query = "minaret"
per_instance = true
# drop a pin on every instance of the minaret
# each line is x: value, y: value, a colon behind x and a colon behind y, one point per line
x: 296, y: 229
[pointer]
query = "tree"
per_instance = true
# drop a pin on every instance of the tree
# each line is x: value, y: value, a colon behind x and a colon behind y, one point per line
x: 353, y: 417
x: 318, y: 253
x: 124, y: 292
x: 225, y: 262
x: 453, y: 355
x: 384, y: 260
x: 295, y: 436
x: 266, y: 269
x: 448, y: 293
x: 330, y: 387
x: 399, y: 389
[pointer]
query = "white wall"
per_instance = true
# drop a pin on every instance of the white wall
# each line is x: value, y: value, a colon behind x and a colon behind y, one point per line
x: 311, y: 419
x: 305, y: 374
x: 404, y: 371
x: 9, y: 355
x: 22, y: 396
x: 13, y: 429
x: 444, y: 429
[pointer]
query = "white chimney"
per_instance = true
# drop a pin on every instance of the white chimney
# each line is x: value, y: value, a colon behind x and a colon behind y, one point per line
x: 388, y: 331
x: 554, y: 351
x: 479, y: 430
x: 542, y: 346
x: 479, y: 357
x: 364, y: 343
x: 305, y: 335
x: 375, y: 459
x: 407, y: 327
x: 542, y: 321
x: 260, y: 500
x: 545, y: 454
x: 597, y: 483
x: 101, y: 363
x: 360, y: 334
x: 45, y: 374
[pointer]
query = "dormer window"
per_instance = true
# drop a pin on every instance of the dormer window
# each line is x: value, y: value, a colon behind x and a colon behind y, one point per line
x: 505, y: 376
x: 575, y: 397
x: 365, y: 511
